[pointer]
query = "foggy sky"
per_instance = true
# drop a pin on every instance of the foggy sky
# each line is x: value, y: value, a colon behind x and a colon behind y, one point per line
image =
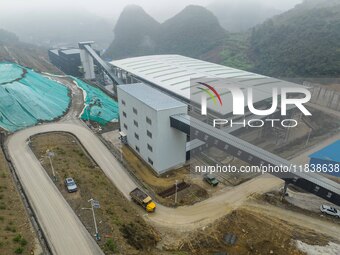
x: 110, y: 9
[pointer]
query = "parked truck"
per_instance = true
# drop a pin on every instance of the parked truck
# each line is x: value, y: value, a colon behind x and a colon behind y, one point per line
x: 143, y: 199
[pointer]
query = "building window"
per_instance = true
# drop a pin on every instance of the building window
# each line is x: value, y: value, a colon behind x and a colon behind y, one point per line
x: 148, y: 120
x: 134, y: 110
x: 124, y: 114
x: 137, y: 136
x: 150, y: 161
x: 135, y: 123
x: 123, y: 102
x: 149, y: 147
x: 125, y: 126
x: 149, y: 134
x: 137, y: 148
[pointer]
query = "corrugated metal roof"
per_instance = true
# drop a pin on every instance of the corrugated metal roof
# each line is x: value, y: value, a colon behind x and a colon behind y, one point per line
x: 173, y: 73
x: 329, y: 153
x: 150, y: 96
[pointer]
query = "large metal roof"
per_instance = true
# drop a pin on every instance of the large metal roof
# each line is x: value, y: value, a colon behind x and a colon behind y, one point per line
x: 174, y: 72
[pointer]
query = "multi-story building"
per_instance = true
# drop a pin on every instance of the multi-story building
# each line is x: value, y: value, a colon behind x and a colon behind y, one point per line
x: 145, y: 119
x: 67, y: 60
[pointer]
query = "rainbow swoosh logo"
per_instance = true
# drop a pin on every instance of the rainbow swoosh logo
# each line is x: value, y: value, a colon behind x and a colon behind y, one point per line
x: 211, y: 91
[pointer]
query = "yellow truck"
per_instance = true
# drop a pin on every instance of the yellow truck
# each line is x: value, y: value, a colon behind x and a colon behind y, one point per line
x: 143, y: 199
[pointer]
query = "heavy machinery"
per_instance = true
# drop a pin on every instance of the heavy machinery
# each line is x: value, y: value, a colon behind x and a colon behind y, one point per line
x: 143, y: 199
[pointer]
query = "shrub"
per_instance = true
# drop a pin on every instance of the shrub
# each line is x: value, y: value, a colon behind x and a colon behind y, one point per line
x: 23, y: 242
x: 110, y: 245
x: 19, y: 250
x: 17, y: 238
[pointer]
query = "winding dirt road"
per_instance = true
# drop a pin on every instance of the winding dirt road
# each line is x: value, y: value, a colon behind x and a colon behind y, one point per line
x: 64, y: 230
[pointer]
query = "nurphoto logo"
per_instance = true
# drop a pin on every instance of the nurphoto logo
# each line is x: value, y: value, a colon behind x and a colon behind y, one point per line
x: 242, y: 98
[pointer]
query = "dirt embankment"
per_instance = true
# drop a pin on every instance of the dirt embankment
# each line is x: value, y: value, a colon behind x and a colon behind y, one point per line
x: 16, y: 234
x: 252, y: 233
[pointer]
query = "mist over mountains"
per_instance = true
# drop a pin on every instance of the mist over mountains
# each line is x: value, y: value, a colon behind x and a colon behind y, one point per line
x: 54, y: 28
x: 239, y: 16
x: 192, y: 32
x: 303, y: 41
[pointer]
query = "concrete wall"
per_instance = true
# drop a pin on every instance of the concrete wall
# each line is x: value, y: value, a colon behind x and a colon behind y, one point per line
x: 87, y: 63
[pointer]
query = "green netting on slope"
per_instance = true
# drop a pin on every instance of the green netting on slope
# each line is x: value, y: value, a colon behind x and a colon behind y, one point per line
x: 99, y: 107
x: 29, y: 100
x: 8, y: 73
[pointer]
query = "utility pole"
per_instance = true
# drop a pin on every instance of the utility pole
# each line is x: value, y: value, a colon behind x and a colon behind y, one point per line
x: 50, y: 154
x: 94, y: 204
x: 176, y: 192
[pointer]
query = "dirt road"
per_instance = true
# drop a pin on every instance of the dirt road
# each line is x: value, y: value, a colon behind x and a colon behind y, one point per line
x: 64, y: 230
x: 298, y: 219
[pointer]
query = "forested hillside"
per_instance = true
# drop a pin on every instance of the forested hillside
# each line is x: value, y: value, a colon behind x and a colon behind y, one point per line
x: 304, y: 41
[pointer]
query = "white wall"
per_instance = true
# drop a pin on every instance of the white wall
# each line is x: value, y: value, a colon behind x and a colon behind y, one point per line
x: 168, y: 144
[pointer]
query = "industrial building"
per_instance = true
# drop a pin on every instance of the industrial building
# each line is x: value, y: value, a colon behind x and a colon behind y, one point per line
x: 176, y: 75
x: 145, y: 120
x: 328, y: 156
x: 75, y: 61
x: 160, y: 120
x: 67, y: 60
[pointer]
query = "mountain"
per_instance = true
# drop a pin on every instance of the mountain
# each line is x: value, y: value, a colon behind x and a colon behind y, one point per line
x: 135, y: 34
x: 192, y: 32
x: 239, y: 16
x: 54, y: 28
x: 31, y: 56
x: 8, y: 37
x: 303, y: 41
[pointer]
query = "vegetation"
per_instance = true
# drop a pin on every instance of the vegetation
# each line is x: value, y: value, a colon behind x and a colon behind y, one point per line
x: 16, y: 234
x: 111, y: 246
x: 115, y: 212
x: 235, y: 52
x: 301, y: 42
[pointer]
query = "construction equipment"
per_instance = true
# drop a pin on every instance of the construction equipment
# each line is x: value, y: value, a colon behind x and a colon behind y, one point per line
x: 143, y: 199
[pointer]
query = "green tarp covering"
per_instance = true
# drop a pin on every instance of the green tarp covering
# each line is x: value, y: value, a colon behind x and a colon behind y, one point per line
x: 27, y: 97
x: 99, y: 107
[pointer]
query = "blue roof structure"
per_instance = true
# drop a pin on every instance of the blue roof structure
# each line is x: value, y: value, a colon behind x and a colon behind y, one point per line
x: 329, y: 153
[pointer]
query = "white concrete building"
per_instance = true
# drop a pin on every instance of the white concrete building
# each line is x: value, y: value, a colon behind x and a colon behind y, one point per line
x: 145, y: 119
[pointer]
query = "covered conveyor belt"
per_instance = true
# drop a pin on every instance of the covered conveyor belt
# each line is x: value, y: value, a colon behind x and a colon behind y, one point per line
x: 103, y: 64
x: 313, y: 183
